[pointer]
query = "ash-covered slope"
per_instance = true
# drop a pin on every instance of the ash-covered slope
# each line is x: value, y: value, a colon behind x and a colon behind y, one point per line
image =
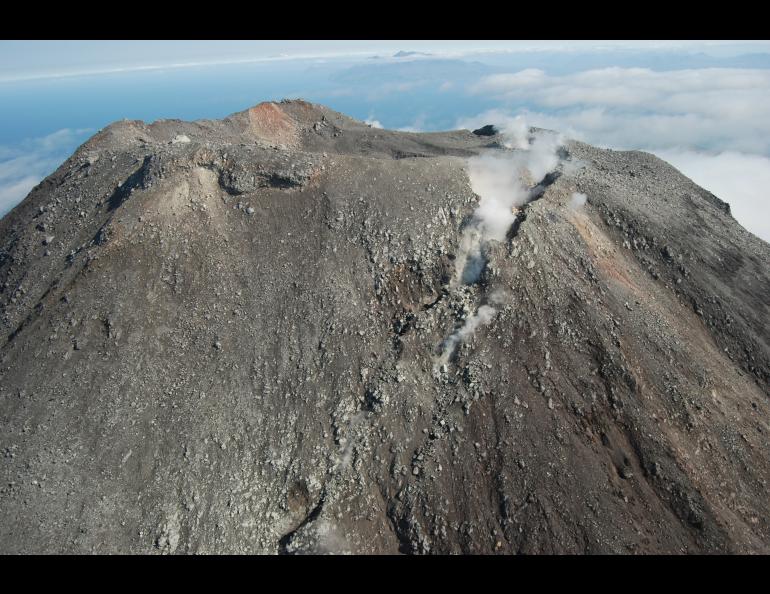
x: 287, y: 331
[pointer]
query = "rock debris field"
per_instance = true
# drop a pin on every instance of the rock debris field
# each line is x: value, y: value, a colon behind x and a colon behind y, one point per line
x: 287, y: 332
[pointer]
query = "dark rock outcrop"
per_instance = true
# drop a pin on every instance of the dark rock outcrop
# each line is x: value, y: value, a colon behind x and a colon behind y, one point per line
x: 488, y: 130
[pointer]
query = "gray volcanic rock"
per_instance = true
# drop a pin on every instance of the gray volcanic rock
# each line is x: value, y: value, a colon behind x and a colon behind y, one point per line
x: 226, y: 336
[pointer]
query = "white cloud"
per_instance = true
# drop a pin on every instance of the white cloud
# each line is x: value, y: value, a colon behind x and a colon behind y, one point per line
x: 706, y: 109
x: 373, y: 123
x: 14, y: 192
x: 739, y: 179
x: 23, y: 166
x: 28, y: 60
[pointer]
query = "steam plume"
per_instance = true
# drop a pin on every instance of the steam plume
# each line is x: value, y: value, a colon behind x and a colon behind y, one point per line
x: 482, y: 317
x: 498, y: 179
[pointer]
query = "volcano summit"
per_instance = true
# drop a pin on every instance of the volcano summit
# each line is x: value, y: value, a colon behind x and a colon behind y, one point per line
x: 290, y: 332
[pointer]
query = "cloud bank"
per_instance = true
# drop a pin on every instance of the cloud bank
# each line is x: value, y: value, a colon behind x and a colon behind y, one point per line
x: 741, y: 180
x: 703, y: 109
x: 23, y: 166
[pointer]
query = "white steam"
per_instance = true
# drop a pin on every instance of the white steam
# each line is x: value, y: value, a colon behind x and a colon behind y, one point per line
x: 482, y: 317
x: 346, y: 453
x: 543, y: 155
x: 499, y: 180
x: 515, y: 129
x: 515, y: 132
x: 577, y: 200
x: 496, y: 179
x: 470, y: 262
x: 329, y: 539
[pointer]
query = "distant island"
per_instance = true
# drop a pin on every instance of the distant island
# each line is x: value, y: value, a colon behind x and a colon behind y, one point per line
x: 403, y: 54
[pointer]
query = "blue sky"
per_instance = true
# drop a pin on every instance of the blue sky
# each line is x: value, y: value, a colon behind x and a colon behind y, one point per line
x: 701, y: 105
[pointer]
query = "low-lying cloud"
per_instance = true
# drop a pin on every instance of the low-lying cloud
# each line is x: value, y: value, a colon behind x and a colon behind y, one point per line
x: 24, y: 165
x: 741, y: 180
x: 704, y: 109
